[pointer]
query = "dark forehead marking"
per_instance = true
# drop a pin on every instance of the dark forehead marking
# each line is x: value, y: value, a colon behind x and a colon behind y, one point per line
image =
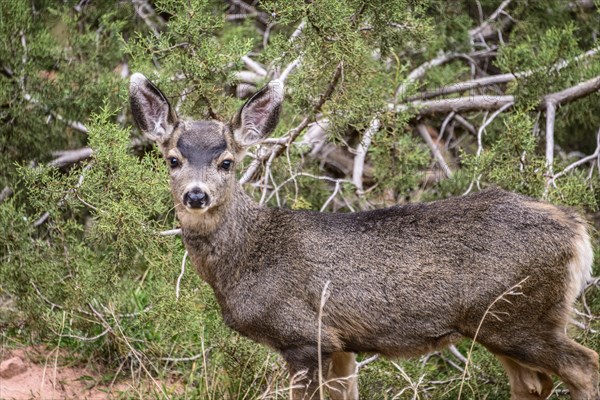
x: 201, y: 142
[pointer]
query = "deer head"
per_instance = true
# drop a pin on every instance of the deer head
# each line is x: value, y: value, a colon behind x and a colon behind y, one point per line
x: 202, y: 155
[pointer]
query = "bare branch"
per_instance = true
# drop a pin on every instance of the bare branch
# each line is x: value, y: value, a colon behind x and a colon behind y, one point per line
x: 254, y: 66
x: 487, y: 122
x: 364, y: 362
x: 41, y: 219
x: 291, y: 66
x: 460, y: 104
x: 260, y: 15
x: 182, y: 359
x: 68, y: 157
x: 575, y: 92
x: 465, y: 124
x: 361, y: 153
x: 550, y: 117
x: 78, y: 126
x: 586, y: 5
x: 419, y: 72
x: 498, y: 79
x: 248, y: 77
x: 579, y: 162
x: 458, y: 354
x: 171, y: 232
x: 422, y: 129
x: 180, y: 275
x: 85, y: 338
x: 486, y: 29
x: 489, y: 103
x: 298, y: 31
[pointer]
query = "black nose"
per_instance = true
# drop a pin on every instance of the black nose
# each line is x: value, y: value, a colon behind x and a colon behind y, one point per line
x: 195, y: 198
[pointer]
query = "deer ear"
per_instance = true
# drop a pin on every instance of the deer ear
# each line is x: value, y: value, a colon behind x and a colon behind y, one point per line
x: 259, y: 116
x: 150, y: 108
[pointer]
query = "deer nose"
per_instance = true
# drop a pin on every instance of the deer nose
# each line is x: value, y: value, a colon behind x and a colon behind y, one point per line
x: 195, y: 198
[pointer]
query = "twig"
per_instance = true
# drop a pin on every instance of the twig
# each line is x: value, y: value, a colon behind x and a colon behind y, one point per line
x: 466, y: 124
x: 324, y: 297
x: 361, y: 154
x: 182, y: 359
x: 293, y: 178
x: 291, y: 66
x: 254, y: 66
x: 41, y: 219
x: 96, y: 313
x: 135, y: 354
x: 487, y: 23
x: 171, y: 232
x: 579, y: 162
x: 550, y: 117
x: 435, y: 150
x: 235, y: 17
x: 414, y: 386
x: 330, y: 198
x: 86, y: 338
x: 298, y: 31
x: 68, y: 157
x: 260, y: 15
x: 458, y: 354
x: 54, y: 305
x: 180, y: 275
x: 79, y: 7
x: 250, y: 171
x: 266, y: 178
x: 419, y: 72
x: 445, y: 123
x: 487, y: 122
x: 366, y: 361
x: 78, y: 126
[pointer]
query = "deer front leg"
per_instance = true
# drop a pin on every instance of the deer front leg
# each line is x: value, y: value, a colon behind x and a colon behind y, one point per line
x: 342, y: 380
x: 303, y: 364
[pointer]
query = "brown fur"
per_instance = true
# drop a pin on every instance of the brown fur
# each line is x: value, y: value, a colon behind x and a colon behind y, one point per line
x: 402, y: 280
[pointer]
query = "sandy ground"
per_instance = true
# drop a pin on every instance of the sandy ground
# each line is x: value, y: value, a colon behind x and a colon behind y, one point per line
x: 21, y: 378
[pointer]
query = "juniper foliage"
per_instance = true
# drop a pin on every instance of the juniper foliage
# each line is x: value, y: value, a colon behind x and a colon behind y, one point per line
x: 81, y: 254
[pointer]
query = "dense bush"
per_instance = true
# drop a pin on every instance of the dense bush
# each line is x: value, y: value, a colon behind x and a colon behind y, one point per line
x: 82, y: 257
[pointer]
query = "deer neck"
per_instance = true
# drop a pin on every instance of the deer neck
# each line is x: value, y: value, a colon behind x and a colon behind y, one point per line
x: 216, y: 240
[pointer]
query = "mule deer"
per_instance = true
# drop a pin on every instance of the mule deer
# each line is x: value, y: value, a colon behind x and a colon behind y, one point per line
x: 403, y: 281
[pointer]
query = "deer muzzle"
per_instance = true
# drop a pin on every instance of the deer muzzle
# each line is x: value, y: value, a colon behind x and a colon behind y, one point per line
x: 196, y: 198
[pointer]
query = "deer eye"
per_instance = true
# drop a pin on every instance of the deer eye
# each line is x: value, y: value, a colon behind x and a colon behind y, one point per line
x: 226, y: 165
x: 173, y: 162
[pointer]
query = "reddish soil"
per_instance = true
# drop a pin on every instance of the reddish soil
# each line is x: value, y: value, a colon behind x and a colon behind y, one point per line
x: 22, y: 378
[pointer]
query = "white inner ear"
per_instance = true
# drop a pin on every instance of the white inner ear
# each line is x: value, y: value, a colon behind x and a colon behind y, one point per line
x: 248, y: 134
x: 160, y: 130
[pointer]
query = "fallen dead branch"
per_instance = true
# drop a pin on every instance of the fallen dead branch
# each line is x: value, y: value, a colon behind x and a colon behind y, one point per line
x: 490, y: 103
